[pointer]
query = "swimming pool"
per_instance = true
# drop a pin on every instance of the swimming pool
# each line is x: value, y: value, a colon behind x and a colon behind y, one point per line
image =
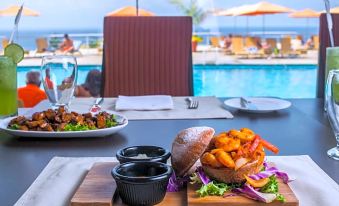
x: 285, y: 81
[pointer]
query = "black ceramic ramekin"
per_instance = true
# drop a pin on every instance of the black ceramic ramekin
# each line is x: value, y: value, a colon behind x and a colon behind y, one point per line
x: 143, y: 182
x: 154, y: 154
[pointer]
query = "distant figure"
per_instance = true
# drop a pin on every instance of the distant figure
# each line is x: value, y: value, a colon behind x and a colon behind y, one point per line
x: 92, y: 85
x: 310, y: 43
x: 67, y: 45
x: 31, y: 94
x: 48, y: 81
x: 228, y: 41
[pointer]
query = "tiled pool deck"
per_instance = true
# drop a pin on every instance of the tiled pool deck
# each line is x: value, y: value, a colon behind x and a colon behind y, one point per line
x: 199, y: 58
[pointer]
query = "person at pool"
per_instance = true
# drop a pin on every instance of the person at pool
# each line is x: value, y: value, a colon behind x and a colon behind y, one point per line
x: 31, y: 94
x: 92, y: 85
x: 67, y: 45
x: 48, y: 80
x: 228, y: 41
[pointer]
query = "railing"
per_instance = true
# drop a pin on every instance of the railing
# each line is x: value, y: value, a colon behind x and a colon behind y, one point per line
x: 84, y: 36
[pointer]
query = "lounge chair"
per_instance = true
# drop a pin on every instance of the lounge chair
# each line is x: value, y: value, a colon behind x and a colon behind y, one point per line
x: 253, y: 47
x: 147, y: 56
x: 238, y: 47
x: 316, y: 42
x: 77, y: 45
x: 4, y: 42
x: 286, y: 48
x: 215, y: 42
x: 41, y: 45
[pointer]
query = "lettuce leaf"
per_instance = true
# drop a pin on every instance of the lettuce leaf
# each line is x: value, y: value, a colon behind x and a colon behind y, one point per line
x: 215, y: 189
x: 273, y: 187
x: 77, y: 127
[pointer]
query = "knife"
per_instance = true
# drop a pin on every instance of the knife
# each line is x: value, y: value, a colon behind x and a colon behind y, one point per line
x: 96, y: 106
x: 248, y: 104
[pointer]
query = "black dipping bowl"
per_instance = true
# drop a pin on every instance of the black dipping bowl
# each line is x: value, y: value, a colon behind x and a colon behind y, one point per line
x: 154, y: 153
x: 142, y: 183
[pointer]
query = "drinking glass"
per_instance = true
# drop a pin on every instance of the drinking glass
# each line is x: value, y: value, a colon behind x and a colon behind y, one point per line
x: 332, y: 93
x: 332, y: 62
x: 59, y: 76
x: 8, y: 87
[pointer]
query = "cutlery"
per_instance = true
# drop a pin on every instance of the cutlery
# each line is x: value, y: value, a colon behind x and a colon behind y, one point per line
x: 96, y: 106
x: 248, y: 104
x: 192, y: 104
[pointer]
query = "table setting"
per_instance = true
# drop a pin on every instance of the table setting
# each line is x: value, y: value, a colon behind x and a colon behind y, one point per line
x: 167, y: 150
x: 71, y: 175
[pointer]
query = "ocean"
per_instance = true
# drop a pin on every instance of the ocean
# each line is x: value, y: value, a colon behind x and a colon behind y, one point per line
x: 27, y: 38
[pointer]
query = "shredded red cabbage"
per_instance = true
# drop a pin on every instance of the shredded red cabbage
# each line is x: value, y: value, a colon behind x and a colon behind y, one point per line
x: 269, y: 172
x: 251, y: 193
x: 175, y: 184
x: 203, y: 177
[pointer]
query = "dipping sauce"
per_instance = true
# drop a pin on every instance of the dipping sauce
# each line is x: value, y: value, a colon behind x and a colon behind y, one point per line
x: 140, y: 156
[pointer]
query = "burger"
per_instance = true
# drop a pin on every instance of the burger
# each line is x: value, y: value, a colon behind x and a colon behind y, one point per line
x: 233, y: 160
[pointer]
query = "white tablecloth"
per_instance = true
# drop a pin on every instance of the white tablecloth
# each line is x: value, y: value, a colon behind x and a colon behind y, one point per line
x: 57, y: 183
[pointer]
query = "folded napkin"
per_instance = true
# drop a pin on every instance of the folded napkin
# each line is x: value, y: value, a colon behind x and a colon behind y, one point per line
x: 150, y: 102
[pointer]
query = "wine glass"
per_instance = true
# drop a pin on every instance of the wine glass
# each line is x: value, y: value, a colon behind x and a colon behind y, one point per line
x: 59, y: 76
x: 332, y: 93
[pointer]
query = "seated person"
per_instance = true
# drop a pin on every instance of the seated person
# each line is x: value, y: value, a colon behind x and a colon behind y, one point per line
x: 92, y: 85
x: 31, y: 94
x: 48, y: 80
x: 67, y: 45
x: 228, y: 41
x: 310, y: 43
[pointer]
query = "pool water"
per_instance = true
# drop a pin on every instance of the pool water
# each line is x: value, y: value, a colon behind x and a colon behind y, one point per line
x: 82, y: 73
x: 285, y: 81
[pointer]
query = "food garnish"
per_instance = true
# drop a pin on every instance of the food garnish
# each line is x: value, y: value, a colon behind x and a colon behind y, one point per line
x: 61, y: 121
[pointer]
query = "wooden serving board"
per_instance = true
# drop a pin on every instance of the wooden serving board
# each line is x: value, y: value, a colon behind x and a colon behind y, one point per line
x: 98, y: 189
x: 194, y: 200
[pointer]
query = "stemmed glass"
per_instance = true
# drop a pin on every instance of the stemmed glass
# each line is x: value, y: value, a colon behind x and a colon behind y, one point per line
x: 332, y: 93
x: 59, y: 76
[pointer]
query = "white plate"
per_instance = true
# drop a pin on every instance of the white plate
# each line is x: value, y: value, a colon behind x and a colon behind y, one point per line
x: 73, y: 134
x: 263, y: 104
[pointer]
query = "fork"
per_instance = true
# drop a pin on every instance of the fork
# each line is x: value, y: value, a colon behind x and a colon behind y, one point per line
x: 192, y: 104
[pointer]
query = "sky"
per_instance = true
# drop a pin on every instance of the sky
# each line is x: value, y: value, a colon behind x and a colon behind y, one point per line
x: 88, y: 14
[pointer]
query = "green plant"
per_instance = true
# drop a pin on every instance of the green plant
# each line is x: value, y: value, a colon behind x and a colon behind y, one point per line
x: 54, y: 42
x: 191, y: 9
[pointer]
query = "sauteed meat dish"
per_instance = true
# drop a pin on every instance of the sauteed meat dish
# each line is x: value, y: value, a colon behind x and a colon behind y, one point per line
x: 61, y: 120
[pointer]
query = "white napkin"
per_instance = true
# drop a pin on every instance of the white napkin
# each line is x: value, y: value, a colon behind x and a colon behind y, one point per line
x: 150, y: 102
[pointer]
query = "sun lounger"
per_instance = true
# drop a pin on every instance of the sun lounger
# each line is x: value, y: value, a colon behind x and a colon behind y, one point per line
x: 215, y: 42
x: 4, y: 42
x: 41, y: 45
x: 316, y: 42
x: 286, y: 48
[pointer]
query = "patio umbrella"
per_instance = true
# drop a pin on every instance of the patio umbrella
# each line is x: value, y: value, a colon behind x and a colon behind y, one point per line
x: 13, y: 10
x: 262, y: 8
x: 130, y: 11
x: 307, y: 14
x: 231, y: 12
x: 335, y: 10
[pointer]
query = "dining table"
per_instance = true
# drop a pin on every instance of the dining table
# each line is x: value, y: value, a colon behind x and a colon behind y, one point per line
x: 302, y: 129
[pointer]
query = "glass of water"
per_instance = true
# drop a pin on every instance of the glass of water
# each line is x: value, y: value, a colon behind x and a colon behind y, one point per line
x: 59, y: 76
x: 332, y: 93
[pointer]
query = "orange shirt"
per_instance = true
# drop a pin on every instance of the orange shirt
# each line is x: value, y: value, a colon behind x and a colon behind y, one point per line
x: 31, y: 95
x: 49, y: 83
